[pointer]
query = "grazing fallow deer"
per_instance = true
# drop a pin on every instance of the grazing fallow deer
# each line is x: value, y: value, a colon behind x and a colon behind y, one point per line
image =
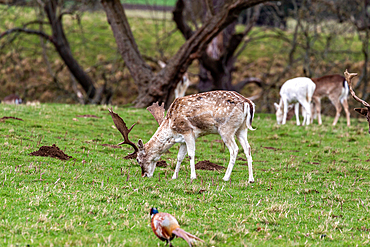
x: 334, y: 87
x: 224, y: 112
x: 295, y: 91
x: 12, y: 99
x: 362, y: 111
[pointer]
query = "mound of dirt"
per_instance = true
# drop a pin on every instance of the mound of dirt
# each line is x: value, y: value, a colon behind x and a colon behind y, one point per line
x: 53, y: 151
x: 207, y: 165
x: 111, y: 146
x: 3, y: 118
x: 162, y: 163
x: 130, y: 156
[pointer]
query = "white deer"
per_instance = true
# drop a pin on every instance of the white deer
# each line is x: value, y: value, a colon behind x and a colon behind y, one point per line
x: 334, y: 87
x: 224, y: 112
x: 298, y: 91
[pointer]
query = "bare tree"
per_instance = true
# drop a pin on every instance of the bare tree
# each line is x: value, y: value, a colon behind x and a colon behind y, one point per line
x: 357, y: 13
x: 217, y: 61
x: 153, y: 88
x: 55, y: 10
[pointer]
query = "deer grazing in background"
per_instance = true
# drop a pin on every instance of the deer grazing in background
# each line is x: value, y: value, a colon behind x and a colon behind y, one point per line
x: 12, y: 99
x: 224, y: 112
x: 295, y: 91
x: 334, y: 87
x: 362, y: 111
x: 182, y: 85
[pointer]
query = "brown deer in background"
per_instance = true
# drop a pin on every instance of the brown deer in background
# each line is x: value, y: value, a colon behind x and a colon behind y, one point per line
x: 362, y: 111
x: 225, y: 113
x: 336, y: 89
x: 12, y: 99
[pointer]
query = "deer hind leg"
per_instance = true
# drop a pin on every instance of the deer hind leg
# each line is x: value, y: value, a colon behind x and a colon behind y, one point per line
x: 242, y: 138
x: 230, y: 143
x: 338, y: 107
x: 180, y: 158
x: 190, y: 146
x: 317, y: 103
x: 345, y: 106
x: 307, y: 108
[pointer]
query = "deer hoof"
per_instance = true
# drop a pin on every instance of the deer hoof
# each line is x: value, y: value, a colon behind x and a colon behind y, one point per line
x: 174, y: 177
x: 225, y: 178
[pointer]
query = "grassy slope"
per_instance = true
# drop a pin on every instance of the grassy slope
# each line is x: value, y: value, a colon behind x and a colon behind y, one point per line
x: 314, y: 183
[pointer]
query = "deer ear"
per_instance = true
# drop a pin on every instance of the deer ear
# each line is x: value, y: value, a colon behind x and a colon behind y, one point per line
x: 276, y: 106
x: 362, y: 111
x: 140, y: 144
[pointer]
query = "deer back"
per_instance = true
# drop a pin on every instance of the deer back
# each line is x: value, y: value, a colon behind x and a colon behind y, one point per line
x: 296, y: 88
x: 205, y: 112
x: 329, y: 85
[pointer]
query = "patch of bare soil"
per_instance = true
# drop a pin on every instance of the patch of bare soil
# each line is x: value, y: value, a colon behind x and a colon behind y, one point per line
x: 272, y: 148
x: 111, y: 146
x: 87, y: 115
x: 207, y: 165
x: 162, y: 163
x: 3, y: 118
x: 130, y: 156
x: 51, y: 151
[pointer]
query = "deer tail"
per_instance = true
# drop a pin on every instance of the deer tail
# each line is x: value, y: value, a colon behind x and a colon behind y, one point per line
x: 249, y: 109
x: 188, y: 237
x: 345, y: 91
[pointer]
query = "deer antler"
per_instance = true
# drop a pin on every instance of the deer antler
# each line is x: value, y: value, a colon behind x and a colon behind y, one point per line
x: 121, y: 126
x: 349, y: 77
x: 157, y: 111
x: 362, y: 111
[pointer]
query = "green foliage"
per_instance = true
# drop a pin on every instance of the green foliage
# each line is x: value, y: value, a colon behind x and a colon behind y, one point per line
x: 312, y: 183
x: 151, y: 2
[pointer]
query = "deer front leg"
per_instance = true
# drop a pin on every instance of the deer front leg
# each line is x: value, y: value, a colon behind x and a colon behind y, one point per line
x: 296, y: 110
x: 317, y: 102
x: 190, y: 145
x: 338, y: 108
x: 285, y: 113
x: 180, y: 158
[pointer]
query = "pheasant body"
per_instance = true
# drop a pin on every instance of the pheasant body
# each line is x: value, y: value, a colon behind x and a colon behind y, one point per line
x: 166, y: 227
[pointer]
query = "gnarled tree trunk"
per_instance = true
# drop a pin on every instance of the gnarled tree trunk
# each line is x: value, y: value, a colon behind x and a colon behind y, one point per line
x: 217, y: 61
x: 158, y: 87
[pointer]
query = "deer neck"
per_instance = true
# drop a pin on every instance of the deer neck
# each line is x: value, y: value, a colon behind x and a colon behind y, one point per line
x: 162, y: 140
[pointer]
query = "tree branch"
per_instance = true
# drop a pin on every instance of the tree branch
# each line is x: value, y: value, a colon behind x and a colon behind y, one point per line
x: 210, y: 9
x: 29, y: 31
x: 178, y: 18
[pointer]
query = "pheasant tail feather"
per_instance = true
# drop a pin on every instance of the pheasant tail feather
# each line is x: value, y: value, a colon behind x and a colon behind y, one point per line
x: 188, y: 237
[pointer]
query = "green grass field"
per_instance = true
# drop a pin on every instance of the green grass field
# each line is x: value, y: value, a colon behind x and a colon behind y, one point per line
x: 312, y: 183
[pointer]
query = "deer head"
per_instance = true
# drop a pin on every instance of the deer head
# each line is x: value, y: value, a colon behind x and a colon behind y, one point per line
x: 362, y: 111
x: 142, y: 156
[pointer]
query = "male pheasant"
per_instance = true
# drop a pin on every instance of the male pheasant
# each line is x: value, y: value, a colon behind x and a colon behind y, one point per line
x: 166, y: 227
